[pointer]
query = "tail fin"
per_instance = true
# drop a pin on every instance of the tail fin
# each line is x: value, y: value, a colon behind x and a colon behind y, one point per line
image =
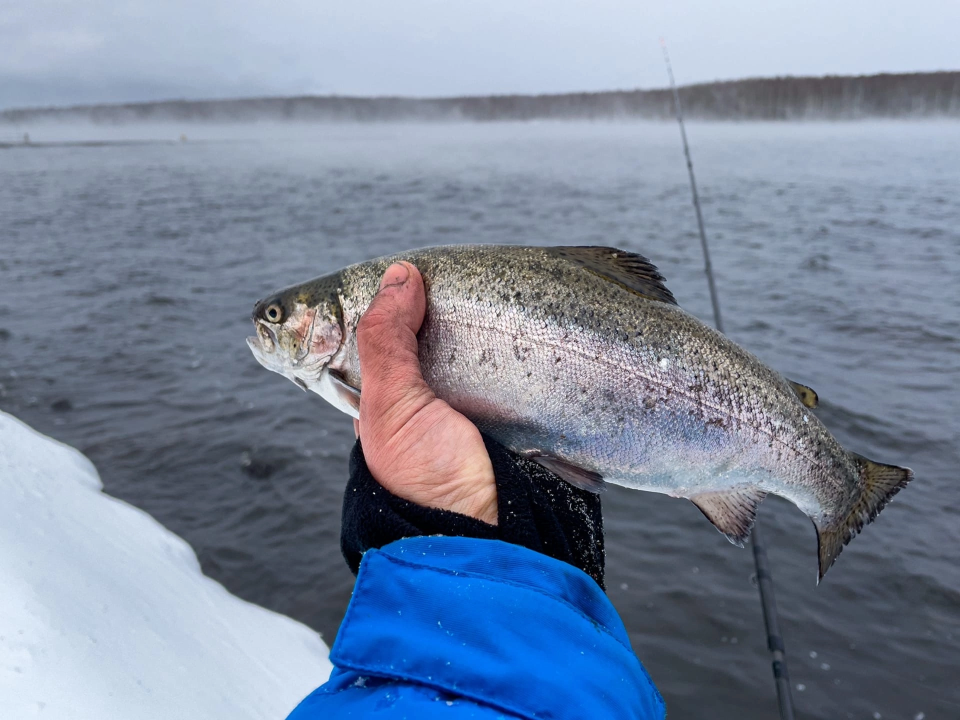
x: 878, y: 483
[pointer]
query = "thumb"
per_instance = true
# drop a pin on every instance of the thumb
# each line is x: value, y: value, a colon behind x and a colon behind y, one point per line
x: 393, y: 387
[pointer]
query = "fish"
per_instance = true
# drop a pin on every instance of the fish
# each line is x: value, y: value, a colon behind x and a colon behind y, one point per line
x: 581, y: 359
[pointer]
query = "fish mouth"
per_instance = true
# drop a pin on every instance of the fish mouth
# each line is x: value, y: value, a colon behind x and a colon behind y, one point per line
x: 273, y: 354
x: 290, y: 349
x: 263, y: 345
x: 267, y: 336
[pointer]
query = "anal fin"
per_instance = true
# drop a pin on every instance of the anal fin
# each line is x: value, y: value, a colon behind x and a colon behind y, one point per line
x: 573, y: 474
x: 732, y: 512
x: 807, y: 395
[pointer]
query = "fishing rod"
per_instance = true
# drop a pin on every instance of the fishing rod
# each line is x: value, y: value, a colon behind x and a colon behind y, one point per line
x: 761, y: 562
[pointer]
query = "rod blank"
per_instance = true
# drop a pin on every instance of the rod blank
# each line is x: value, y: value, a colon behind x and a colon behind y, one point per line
x: 761, y: 561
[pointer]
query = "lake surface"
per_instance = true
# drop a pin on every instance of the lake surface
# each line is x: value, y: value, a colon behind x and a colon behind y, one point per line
x: 128, y: 272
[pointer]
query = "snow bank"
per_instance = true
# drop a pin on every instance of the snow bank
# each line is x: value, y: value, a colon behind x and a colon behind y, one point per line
x: 105, y: 614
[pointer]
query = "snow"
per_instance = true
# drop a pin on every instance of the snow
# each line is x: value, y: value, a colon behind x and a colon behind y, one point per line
x: 105, y: 614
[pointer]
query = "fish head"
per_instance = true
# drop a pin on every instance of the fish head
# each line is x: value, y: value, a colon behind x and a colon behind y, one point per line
x: 298, y: 331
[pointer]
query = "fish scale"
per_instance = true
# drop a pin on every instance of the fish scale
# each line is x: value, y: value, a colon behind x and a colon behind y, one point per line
x: 580, y: 359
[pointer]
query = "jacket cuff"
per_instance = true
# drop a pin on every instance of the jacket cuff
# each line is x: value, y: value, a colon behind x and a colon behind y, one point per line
x: 373, y: 517
x: 536, y: 509
x: 539, y: 510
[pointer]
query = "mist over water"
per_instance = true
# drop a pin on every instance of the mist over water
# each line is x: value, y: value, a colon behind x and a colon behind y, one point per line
x: 128, y: 272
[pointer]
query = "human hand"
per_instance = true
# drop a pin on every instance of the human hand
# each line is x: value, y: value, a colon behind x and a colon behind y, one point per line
x: 416, y: 446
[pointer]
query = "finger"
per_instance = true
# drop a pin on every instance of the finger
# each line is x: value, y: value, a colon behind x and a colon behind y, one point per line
x: 393, y: 387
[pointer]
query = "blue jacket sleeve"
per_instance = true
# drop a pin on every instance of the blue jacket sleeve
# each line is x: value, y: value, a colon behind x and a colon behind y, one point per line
x: 452, y: 627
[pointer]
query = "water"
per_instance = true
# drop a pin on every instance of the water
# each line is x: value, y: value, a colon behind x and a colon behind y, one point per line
x: 127, y: 275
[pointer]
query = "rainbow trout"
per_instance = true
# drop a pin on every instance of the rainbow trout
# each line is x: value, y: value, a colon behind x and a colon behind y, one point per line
x: 580, y: 359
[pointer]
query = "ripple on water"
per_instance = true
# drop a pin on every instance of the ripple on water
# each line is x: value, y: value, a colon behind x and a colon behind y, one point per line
x: 125, y: 303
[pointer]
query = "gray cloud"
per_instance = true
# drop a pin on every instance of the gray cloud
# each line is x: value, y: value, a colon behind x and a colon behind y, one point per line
x: 61, y: 52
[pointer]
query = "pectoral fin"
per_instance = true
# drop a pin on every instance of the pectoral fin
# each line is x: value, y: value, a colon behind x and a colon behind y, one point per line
x: 573, y: 474
x: 732, y: 512
x: 347, y: 394
x: 807, y: 395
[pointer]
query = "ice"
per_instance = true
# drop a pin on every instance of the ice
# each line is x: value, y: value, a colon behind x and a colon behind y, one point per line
x: 105, y: 614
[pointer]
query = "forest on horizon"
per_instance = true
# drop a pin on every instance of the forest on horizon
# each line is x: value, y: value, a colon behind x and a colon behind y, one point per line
x: 892, y: 96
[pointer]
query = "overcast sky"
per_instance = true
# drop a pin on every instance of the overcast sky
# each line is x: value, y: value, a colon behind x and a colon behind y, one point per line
x: 55, y: 52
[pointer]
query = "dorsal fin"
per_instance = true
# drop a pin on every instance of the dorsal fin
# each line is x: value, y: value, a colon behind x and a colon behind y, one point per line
x: 807, y: 395
x: 628, y: 270
x: 732, y: 512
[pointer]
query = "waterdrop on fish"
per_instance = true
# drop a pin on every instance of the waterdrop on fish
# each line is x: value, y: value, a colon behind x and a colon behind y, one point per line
x: 813, y: 653
x: 801, y: 687
x: 824, y: 666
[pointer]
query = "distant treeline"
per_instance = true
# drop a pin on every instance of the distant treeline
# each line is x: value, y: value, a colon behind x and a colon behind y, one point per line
x: 915, y: 95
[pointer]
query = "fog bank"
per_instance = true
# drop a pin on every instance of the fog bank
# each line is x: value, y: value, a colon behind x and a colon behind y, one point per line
x: 889, y: 96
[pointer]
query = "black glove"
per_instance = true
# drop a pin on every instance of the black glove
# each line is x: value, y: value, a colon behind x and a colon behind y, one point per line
x: 536, y: 509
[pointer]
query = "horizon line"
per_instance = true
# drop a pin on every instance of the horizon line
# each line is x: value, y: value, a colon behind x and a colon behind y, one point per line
x: 427, y: 98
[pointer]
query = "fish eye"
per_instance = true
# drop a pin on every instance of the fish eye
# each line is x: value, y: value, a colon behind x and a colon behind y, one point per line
x: 273, y: 313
